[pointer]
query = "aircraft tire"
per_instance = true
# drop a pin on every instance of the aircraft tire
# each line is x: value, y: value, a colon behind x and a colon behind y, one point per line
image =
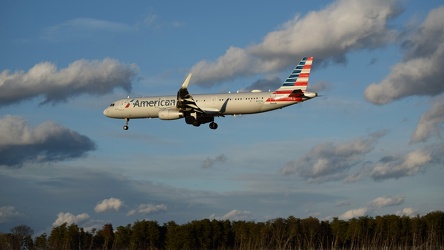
x: 213, y: 125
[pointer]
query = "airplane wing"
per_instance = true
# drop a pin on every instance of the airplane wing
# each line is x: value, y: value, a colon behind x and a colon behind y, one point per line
x: 185, y: 102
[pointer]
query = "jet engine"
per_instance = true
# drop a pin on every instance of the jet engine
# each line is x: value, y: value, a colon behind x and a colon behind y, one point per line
x: 170, y: 114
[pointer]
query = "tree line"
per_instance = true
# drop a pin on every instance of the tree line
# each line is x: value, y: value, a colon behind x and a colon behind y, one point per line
x: 388, y: 231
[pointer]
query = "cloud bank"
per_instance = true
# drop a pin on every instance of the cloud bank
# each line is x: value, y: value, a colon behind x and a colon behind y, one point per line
x: 328, y: 34
x: 401, y: 166
x: 48, y: 142
x: 8, y: 213
x: 429, y: 124
x: 69, y: 219
x: 233, y: 215
x: 58, y: 85
x: 385, y: 201
x: 377, y: 203
x: 332, y: 162
x: 329, y: 162
x: 420, y: 73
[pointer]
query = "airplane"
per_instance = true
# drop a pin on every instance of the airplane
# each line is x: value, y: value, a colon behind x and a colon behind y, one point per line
x: 203, y: 108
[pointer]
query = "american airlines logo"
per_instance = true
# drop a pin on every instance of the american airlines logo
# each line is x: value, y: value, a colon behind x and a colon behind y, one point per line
x: 153, y: 103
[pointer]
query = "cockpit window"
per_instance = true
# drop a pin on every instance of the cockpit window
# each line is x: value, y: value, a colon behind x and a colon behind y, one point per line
x: 112, y: 105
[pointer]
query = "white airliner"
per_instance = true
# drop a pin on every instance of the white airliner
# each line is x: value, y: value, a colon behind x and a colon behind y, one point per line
x: 202, y: 108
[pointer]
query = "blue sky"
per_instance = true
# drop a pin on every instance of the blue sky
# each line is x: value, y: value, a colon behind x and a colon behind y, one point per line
x: 370, y: 145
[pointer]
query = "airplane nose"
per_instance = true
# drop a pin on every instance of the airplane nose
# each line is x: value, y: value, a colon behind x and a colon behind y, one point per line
x: 105, y: 112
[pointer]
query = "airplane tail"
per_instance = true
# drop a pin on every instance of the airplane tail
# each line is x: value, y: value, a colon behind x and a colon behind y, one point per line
x: 298, y: 79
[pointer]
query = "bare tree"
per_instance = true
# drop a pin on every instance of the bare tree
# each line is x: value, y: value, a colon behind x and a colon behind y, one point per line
x: 22, y: 237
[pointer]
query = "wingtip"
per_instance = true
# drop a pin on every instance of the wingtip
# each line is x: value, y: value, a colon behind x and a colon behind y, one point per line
x: 186, y: 82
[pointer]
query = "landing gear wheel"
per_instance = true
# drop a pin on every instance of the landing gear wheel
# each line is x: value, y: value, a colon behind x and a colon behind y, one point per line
x: 213, y: 125
x: 126, y: 124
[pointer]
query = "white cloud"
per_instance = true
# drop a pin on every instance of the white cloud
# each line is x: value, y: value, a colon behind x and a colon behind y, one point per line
x: 7, y: 213
x: 108, y: 204
x: 148, y: 209
x: 408, y: 211
x: 58, y: 85
x: 330, y: 33
x: 69, y: 218
x: 421, y: 71
x: 385, y: 201
x: 396, y: 167
x: 328, y: 162
x: 353, y: 213
x: 377, y: 203
x: 48, y: 142
x: 429, y: 124
x: 233, y: 215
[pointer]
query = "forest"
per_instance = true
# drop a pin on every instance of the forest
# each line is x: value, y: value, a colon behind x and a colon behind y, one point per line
x: 380, y: 232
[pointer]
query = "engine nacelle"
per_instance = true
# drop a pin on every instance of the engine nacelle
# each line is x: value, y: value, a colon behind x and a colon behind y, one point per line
x: 170, y: 114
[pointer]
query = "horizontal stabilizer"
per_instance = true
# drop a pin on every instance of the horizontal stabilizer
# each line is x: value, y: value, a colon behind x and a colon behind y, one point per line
x: 297, y: 93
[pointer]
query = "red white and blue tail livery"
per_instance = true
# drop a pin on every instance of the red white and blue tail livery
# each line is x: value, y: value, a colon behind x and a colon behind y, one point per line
x: 202, y: 108
x: 298, y: 79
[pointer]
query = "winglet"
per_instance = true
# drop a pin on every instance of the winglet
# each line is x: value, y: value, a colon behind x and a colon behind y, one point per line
x: 185, y: 83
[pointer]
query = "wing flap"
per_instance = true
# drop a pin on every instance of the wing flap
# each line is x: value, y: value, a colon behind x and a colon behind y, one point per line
x: 212, y: 111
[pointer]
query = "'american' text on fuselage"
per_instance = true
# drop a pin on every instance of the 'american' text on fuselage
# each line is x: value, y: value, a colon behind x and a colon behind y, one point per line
x: 154, y: 103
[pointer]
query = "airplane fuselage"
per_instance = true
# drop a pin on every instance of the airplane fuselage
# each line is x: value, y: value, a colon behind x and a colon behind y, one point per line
x: 224, y: 104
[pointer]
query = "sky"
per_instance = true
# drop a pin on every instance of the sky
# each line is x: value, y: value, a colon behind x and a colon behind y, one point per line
x: 371, y: 144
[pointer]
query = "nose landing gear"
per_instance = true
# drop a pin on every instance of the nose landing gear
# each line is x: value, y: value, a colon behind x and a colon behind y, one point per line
x: 126, y: 124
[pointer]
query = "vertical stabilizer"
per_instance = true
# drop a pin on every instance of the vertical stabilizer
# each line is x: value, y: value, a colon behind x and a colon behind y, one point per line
x: 298, y: 79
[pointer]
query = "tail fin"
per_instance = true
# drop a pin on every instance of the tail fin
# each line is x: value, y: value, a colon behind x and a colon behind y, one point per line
x: 298, y: 79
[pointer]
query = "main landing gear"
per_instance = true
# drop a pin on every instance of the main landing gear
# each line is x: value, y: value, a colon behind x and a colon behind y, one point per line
x: 213, y: 125
x: 126, y: 124
x: 201, y: 120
